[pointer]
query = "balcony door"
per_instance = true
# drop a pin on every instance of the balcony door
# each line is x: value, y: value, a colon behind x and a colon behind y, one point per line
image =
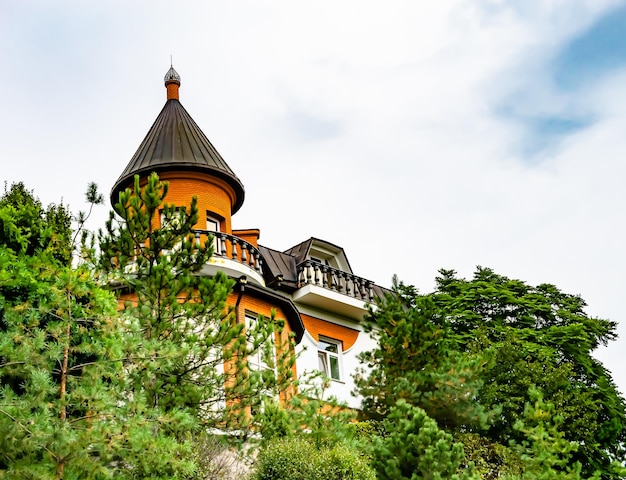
x: 213, y: 225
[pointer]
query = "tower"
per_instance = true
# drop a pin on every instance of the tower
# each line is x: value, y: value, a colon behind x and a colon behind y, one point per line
x: 181, y: 154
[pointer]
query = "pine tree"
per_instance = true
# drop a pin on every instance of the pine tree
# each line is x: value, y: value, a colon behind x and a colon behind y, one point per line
x: 59, y: 351
x: 545, y: 453
x: 418, y: 360
x: 189, y: 353
x: 414, y: 448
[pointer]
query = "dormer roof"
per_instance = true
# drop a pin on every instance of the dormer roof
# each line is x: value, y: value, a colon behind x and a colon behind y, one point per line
x: 175, y: 142
x: 315, y: 248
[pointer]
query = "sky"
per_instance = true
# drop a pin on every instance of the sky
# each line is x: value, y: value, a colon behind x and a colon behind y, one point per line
x: 417, y: 135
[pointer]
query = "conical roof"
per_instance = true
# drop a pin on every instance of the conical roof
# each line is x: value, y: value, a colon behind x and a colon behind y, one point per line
x: 175, y: 143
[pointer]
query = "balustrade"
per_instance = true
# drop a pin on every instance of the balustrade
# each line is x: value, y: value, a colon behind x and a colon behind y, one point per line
x: 325, y: 276
x: 232, y: 248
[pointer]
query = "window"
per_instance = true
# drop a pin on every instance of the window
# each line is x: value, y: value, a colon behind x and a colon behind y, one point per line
x: 328, y: 353
x: 173, y: 219
x: 213, y: 225
x: 261, y: 361
x: 264, y: 355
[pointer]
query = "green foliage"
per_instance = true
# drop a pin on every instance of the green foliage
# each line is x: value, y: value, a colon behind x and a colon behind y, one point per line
x: 89, y: 392
x: 321, y: 419
x: 55, y: 403
x: 365, y: 431
x: 65, y: 411
x: 476, y: 346
x: 417, y: 359
x: 274, y: 421
x: 59, y: 352
x: 325, y: 419
x: 415, y: 448
x: 300, y: 459
x: 491, y: 460
x: 538, y: 336
x: 545, y: 453
x: 26, y: 227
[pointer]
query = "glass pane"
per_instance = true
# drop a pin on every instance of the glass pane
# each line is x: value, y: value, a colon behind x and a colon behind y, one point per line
x: 328, y: 347
x: 334, y: 368
x: 323, y: 362
x: 212, y: 224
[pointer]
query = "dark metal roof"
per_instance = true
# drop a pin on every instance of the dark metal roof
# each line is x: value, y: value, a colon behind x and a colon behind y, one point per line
x: 302, y: 250
x: 288, y: 307
x: 175, y: 142
x: 279, y: 263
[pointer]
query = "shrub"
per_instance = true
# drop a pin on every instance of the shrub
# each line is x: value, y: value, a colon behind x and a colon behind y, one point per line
x: 215, y: 459
x: 299, y: 459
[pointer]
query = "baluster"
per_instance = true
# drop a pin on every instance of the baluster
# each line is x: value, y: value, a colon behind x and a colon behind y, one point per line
x: 258, y: 261
x: 307, y: 265
x: 357, y: 286
x: 234, y: 243
x: 324, y: 276
x: 244, y: 252
x: 300, y: 276
x: 370, y: 291
x: 346, y: 277
x: 222, y: 244
x: 333, y: 279
x: 316, y: 269
x: 254, y: 258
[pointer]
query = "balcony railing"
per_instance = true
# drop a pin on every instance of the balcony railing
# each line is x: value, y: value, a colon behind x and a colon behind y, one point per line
x: 233, y: 248
x: 325, y: 276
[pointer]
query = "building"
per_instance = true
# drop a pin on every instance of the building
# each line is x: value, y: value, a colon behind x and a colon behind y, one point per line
x: 311, y: 285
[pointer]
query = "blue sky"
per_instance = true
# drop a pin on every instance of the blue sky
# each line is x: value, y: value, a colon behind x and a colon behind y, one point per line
x: 459, y: 132
x: 551, y: 105
x: 595, y: 52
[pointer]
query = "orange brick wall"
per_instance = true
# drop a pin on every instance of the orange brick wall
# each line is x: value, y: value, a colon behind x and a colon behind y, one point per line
x: 251, y: 235
x: 317, y: 327
x: 213, y: 195
x: 261, y: 307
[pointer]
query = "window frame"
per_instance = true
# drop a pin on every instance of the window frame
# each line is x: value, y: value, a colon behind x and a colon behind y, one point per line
x: 255, y: 362
x: 258, y: 364
x: 214, y: 224
x: 325, y: 356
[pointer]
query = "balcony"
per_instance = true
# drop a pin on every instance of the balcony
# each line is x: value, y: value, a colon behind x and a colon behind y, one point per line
x: 327, y: 288
x: 233, y: 256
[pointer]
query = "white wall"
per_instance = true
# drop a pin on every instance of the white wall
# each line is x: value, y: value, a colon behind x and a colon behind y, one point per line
x: 307, y: 362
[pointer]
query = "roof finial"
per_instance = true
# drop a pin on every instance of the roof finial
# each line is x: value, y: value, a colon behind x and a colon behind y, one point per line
x: 172, y: 82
